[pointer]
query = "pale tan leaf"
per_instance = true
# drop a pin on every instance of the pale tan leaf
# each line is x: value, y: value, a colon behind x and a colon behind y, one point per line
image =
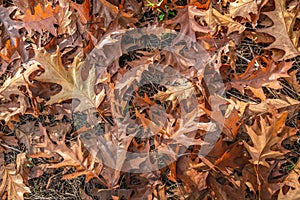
x: 282, y: 30
x: 243, y: 8
x: 12, y: 183
x: 73, y: 86
x: 292, y: 180
x: 264, y: 137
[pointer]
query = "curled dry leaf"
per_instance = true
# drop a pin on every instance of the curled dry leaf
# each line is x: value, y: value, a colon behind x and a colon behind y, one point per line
x: 12, y: 183
x: 291, y: 187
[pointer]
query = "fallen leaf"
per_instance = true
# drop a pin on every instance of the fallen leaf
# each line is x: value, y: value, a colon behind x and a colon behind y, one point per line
x: 255, y: 77
x: 281, y: 30
x: 12, y: 183
x: 42, y: 19
x: 74, y: 157
x: 291, y: 187
x: 11, y: 27
x: 73, y: 85
x: 264, y: 137
x: 186, y: 19
x: 243, y: 8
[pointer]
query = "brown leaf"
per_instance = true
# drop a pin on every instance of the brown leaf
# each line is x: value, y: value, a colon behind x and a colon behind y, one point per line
x: 42, y: 19
x: 186, y: 19
x: 255, y: 77
x: 10, y: 27
x: 108, y: 11
x: 281, y: 30
x: 291, y: 187
x: 193, y: 180
x: 12, y: 183
x: 73, y: 85
x: 232, y: 159
x: 275, y: 106
x: 66, y: 20
x: 216, y: 19
x: 223, y: 189
x: 83, y: 10
x: 14, y: 105
x: 29, y: 4
x: 264, y: 137
x: 243, y: 8
x: 11, y: 84
x: 73, y: 157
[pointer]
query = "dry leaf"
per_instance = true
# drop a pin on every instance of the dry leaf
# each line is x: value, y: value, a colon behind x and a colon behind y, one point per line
x: 12, y: 183
x: 264, y: 137
x: 73, y: 85
x: 73, y: 157
x: 243, y: 8
x: 281, y: 30
x: 291, y: 186
x: 42, y: 19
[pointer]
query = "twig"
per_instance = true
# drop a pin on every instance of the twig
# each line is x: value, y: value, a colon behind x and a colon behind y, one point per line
x: 9, y: 147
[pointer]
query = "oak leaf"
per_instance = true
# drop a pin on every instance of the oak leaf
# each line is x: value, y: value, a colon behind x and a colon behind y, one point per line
x: 275, y: 106
x: 73, y: 157
x: 109, y: 12
x: 215, y: 20
x: 13, y: 105
x: 10, y: 27
x: 11, y: 84
x: 243, y: 8
x: 42, y: 19
x: 186, y: 19
x: 292, y: 181
x: 281, y: 30
x: 12, y: 183
x: 192, y: 179
x: 264, y: 137
x: 66, y: 20
x: 255, y: 77
x: 29, y: 4
x: 73, y: 85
